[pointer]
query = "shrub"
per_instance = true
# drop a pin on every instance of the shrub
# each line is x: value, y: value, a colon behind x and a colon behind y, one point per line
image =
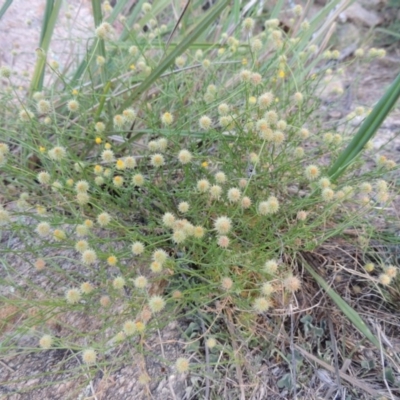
x: 200, y: 191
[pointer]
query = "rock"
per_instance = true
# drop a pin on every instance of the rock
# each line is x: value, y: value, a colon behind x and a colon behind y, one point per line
x: 357, y: 13
x: 348, y: 34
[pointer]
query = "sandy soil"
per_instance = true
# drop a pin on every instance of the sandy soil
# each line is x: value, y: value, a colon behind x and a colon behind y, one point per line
x: 20, y: 31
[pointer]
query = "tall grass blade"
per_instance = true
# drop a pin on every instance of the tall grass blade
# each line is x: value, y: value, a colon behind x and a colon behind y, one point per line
x: 49, y: 21
x: 350, y: 313
x: 386, y: 31
x: 177, y: 24
x: 4, y: 8
x: 101, y: 48
x: 97, y: 14
x: 367, y: 129
x: 277, y: 9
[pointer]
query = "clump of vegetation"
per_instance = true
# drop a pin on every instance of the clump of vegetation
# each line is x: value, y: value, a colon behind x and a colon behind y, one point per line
x: 178, y: 189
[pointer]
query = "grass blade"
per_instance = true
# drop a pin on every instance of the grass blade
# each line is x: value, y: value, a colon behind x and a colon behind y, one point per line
x: 177, y: 24
x: 49, y: 21
x: 277, y: 9
x: 97, y: 14
x: 385, y: 31
x: 367, y: 129
x: 5, y: 7
x: 350, y: 313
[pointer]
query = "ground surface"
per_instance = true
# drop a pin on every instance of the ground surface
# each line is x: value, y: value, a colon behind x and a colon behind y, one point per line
x: 19, y: 32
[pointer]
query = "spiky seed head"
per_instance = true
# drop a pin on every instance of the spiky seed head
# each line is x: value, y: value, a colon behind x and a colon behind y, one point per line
x: 391, y: 271
x: 137, y: 248
x: 198, y: 232
x: 157, y: 160
x: 261, y: 304
x: 205, y: 122
x: 140, y: 282
x: 138, y: 180
x: 73, y: 106
x: 234, y: 195
x: 73, y: 296
x: 119, y: 282
x: 87, y: 288
x: 385, y: 279
x: 203, y: 185
x: 223, y: 241
x: 81, y: 246
x: 104, y: 219
x: 182, y: 365
x: 220, y: 177
x: 156, y: 304
x: 292, y: 283
x: 46, y: 341
x: 312, y: 172
x: 185, y: 156
x: 183, y: 207
x: 89, y: 257
x: 168, y: 220
x: 271, y: 266
x: 226, y: 283
x: 129, y: 328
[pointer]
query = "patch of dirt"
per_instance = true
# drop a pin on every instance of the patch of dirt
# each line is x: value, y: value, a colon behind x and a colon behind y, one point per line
x: 20, y: 31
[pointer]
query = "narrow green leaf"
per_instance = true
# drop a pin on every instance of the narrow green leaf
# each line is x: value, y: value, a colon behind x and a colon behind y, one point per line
x: 236, y: 11
x: 100, y: 48
x: 118, y: 8
x: 46, y: 17
x: 49, y: 24
x: 350, y: 313
x: 97, y: 14
x: 5, y: 7
x: 50, y: 18
x: 367, y: 129
x: 178, y: 50
x: 388, y: 32
x: 277, y: 9
x: 177, y: 24
x: 103, y: 99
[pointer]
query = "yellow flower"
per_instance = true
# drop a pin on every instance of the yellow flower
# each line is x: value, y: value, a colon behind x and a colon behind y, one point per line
x: 167, y: 118
x: 252, y: 100
x: 281, y: 74
x: 244, y: 61
x: 75, y: 92
x: 204, y: 164
x: 132, y: 67
x: 98, y: 140
x: 120, y: 164
x: 107, y: 146
x: 42, y: 149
